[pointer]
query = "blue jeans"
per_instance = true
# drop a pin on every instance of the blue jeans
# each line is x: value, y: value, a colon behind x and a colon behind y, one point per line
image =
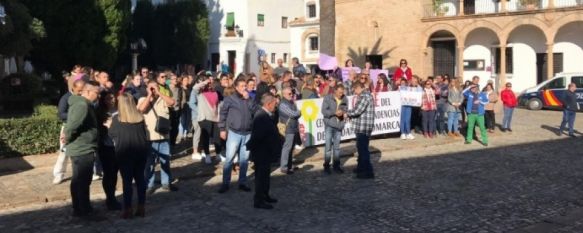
x: 568, y: 118
x: 160, y: 151
x: 185, y: 122
x: 428, y: 118
x: 440, y: 121
x: 452, y: 121
x: 364, y: 165
x: 507, y: 120
x: 236, y: 142
x: 406, y: 119
x: 332, y: 147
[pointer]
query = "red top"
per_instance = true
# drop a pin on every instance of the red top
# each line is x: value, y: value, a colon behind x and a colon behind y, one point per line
x: 408, y: 74
x: 508, y: 98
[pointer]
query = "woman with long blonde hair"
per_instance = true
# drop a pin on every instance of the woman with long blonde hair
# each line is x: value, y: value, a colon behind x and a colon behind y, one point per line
x: 266, y: 73
x: 128, y: 132
x: 454, y: 100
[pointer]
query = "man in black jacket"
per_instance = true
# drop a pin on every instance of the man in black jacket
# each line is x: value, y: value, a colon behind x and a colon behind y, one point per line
x: 236, y: 117
x: 263, y: 145
x: 570, y: 107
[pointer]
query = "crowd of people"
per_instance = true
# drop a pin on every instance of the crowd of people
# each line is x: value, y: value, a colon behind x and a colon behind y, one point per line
x: 251, y: 117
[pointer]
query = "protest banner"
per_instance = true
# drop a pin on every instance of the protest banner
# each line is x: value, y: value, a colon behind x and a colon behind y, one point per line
x: 326, y: 62
x: 346, y: 72
x: 411, y: 98
x: 387, y: 118
x: 374, y: 74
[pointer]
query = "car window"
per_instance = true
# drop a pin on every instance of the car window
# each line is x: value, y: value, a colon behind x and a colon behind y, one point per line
x: 578, y: 80
x: 558, y: 83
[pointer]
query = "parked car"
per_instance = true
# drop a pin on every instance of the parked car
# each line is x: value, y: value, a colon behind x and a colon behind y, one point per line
x: 549, y: 94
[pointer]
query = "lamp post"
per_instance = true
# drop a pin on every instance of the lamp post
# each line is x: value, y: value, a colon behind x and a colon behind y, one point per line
x: 136, y: 47
x: 2, y: 14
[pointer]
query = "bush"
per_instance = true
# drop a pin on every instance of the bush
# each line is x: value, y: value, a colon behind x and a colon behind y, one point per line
x: 33, y: 135
x: 19, y: 91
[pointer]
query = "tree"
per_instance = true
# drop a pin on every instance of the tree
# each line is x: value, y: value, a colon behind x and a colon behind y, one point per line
x: 141, y: 27
x: 176, y: 32
x: 192, y: 32
x: 17, y: 34
x: 83, y: 32
x: 117, y: 20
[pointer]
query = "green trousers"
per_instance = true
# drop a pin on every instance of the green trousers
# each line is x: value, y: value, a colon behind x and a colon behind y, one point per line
x: 472, y: 118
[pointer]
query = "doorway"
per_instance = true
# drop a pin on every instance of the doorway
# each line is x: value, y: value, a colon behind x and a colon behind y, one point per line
x: 376, y: 61
x: 542, y: 66
x: 444, y: 57
x: 232, y: 56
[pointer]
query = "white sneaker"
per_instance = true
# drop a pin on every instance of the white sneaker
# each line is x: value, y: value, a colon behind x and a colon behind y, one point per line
x: 196, y: 156
x: 57, y: 180
x: 410, y: 136
x: 96, y: 177
x: 222, y: 158
x: 403, y: 136
x: 298, y: 147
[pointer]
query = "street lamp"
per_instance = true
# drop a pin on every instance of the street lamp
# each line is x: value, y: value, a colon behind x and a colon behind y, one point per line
x: 136, y: 47
x: 2, y: 15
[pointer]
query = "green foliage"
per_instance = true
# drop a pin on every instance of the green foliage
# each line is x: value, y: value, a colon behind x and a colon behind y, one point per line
x: 45, y: 111
x: 33, y: 135
x: 17, y: 33
x: 84, y: 32
x: 117, y: 19
x: 20, y: 91
x: 176, y: 33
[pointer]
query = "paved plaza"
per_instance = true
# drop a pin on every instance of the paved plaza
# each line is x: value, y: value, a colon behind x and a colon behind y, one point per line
x: 526, y: 181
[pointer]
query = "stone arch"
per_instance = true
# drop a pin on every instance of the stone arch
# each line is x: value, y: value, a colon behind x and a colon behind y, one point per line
x: 305, y: 35
x: 481, y: 24
x: 561, y: 22
x: 441, y: 27
x: 520, y: 21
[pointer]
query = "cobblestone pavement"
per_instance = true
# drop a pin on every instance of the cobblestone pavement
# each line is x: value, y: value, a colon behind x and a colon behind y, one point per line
x: 525, y: 181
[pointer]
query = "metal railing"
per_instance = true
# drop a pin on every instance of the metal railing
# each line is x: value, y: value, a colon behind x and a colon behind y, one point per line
x: 478, y: 7
x: 568, y: 3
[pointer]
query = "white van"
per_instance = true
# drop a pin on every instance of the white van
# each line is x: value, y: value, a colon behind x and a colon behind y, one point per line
x: 549, y: 94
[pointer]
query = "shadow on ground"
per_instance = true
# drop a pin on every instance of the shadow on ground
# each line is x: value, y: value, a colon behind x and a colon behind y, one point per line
x: 492, y: 189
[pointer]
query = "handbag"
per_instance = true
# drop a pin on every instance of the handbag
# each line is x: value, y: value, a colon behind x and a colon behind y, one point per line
x: 163, y: 125
x: 281, y: 127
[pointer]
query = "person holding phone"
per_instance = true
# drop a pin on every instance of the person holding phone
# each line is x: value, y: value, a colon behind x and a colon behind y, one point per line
x: 334, y: 106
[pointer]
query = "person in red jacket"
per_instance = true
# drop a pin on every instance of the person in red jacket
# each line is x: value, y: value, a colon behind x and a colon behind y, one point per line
x: 404, y: 71
x: 509, y: 101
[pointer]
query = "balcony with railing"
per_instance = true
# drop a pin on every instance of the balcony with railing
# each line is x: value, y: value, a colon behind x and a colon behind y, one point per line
x: 451, y: 8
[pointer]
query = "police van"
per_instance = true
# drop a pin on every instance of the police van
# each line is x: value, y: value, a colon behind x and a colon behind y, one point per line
x: 549, y: 94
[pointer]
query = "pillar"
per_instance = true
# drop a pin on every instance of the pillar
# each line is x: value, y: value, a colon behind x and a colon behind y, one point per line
x: 503, y: 5
x: 460, y: 60
x: 502, y: 77
x: 461, y: 7
x: 550, y: 61
x: 551, y: 4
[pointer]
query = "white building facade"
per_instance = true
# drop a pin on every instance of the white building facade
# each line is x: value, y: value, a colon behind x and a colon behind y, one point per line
x: 305, y: 35
x: 243, y: 32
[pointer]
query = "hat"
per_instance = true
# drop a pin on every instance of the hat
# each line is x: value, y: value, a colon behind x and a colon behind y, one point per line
x: 208, y: 73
